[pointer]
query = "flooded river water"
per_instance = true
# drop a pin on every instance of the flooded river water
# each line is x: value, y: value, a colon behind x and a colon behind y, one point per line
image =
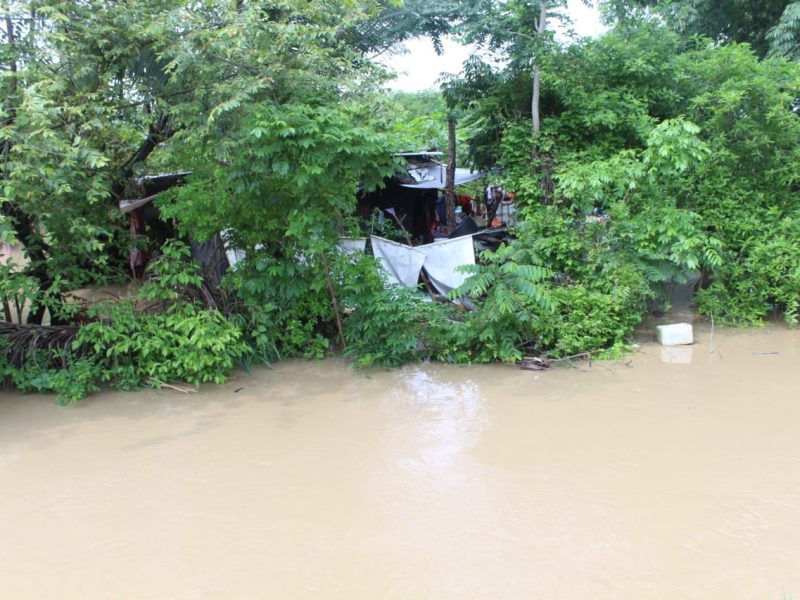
x: 670, y: 474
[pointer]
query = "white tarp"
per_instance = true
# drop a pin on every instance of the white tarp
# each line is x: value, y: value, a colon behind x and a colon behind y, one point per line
x: 400, y: 262
x: 441, y: 259
x: 434, y: 176
x: 346, y: 245
x: 352, y: 245
x: 234, y: 254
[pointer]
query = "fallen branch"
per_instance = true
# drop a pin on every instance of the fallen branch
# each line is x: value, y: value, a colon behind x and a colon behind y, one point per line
x: 160, y: 384
x: 579, y: 355
x: 533, y: 363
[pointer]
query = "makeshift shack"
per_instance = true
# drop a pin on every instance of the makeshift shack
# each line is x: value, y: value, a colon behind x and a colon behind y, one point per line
x: 146, y: 221
x: 411, y: 193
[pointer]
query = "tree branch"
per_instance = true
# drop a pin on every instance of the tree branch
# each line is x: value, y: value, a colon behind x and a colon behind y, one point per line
x: 159, y: 131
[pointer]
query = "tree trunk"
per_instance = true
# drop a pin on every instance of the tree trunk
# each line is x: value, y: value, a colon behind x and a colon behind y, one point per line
x: 11, y: 89
x: 535, y: 119
x: 25, y: 229
x: 537, y: 77
x: 542, y: 159
x: 450, y: 183
x: 159, y: 131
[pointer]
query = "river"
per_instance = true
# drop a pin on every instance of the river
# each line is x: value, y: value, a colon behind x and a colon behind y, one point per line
x: 668, y: 474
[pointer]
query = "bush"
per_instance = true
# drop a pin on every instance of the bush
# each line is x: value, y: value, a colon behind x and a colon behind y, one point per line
x: 764, y: 278
x: 176, y: 339
x: 69, y: 384
x: 183, y: 343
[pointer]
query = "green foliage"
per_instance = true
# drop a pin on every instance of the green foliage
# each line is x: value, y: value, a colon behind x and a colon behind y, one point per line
x: 668, y: 244
x: 184, y: 343
x: 743, y: 21
x: 69, y: 384
x: 288, y: 301
x: 511, y: 297
x: 587, y: 322
x: 765, y: 278
x: 418, y: 120
x: 670, y: 157
x: 662, y: 156
x: 784, y: 36
x: 273, y: 108
x: 595, y: 295
x: 282, y: 174
x: 174, y: 339
x: 390, y: 327
x: 72, y: 127
x: 16, y: 290
x: 170, y: 274
x: 180, y: 342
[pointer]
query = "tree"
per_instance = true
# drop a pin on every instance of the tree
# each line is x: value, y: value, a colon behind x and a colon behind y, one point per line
x: 769, y: 26
x: 96, y: 94
x: 83, y: 110
x: 519, y: 31
x: 784, y: 37
x: 450, y: 183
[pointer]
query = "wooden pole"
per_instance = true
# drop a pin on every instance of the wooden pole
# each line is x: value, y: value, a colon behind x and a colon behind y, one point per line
x: 450, y: 183
x: 537, y: 75
x: 333, y: 299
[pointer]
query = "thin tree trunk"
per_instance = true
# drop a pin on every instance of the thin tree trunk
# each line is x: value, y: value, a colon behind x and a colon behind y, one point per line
x: 450, y: 183
x: 11, y: 89
x: 537, y: 76
x: 535, y: 118
x: 542, y: 159
x: 159, y: 131
x: 334, y: 302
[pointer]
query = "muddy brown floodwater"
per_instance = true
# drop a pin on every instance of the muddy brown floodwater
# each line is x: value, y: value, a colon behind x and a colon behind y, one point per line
x: 673, y: 475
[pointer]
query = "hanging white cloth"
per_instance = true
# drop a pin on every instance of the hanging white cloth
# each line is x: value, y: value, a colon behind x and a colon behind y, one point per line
x: 442, y: 260
x: 400, y: 262
x: 352, y: 245
x: 234, y: 255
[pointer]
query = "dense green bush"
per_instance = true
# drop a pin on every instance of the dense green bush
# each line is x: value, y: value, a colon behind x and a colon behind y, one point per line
x: 764, y: 278
x: 70, y: 384
x: 182, y: 343
x: 659, y: 158
x: 179, y: 341
x: 289, y: 304
x: 174, y: 340
x: 390, y: 327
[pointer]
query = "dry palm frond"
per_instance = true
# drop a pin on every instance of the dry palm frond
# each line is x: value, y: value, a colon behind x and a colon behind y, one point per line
x: 46, y: 345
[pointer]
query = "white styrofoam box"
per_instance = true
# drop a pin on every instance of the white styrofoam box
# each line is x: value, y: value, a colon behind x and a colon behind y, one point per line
x: 676, y: 334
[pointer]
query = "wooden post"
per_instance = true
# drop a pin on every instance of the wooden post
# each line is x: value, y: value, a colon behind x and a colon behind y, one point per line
x: 333, y: 299
x: 450, y: 183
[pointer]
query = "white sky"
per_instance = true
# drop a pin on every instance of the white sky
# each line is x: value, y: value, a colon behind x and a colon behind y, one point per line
x: 421, y: 67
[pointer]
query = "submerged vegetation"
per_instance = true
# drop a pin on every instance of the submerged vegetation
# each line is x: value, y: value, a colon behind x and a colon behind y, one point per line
x: 667, y: 149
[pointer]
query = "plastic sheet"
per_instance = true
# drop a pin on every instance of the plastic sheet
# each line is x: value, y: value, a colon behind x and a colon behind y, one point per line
x: 401, y: 263
x: 441, y: 261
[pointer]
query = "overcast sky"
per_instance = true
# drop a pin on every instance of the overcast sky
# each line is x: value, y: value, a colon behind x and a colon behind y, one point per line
x: 421, y: 67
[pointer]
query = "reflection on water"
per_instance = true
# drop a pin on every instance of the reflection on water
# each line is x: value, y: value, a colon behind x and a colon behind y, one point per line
x: 680, y: 355
x: 674, y: 473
